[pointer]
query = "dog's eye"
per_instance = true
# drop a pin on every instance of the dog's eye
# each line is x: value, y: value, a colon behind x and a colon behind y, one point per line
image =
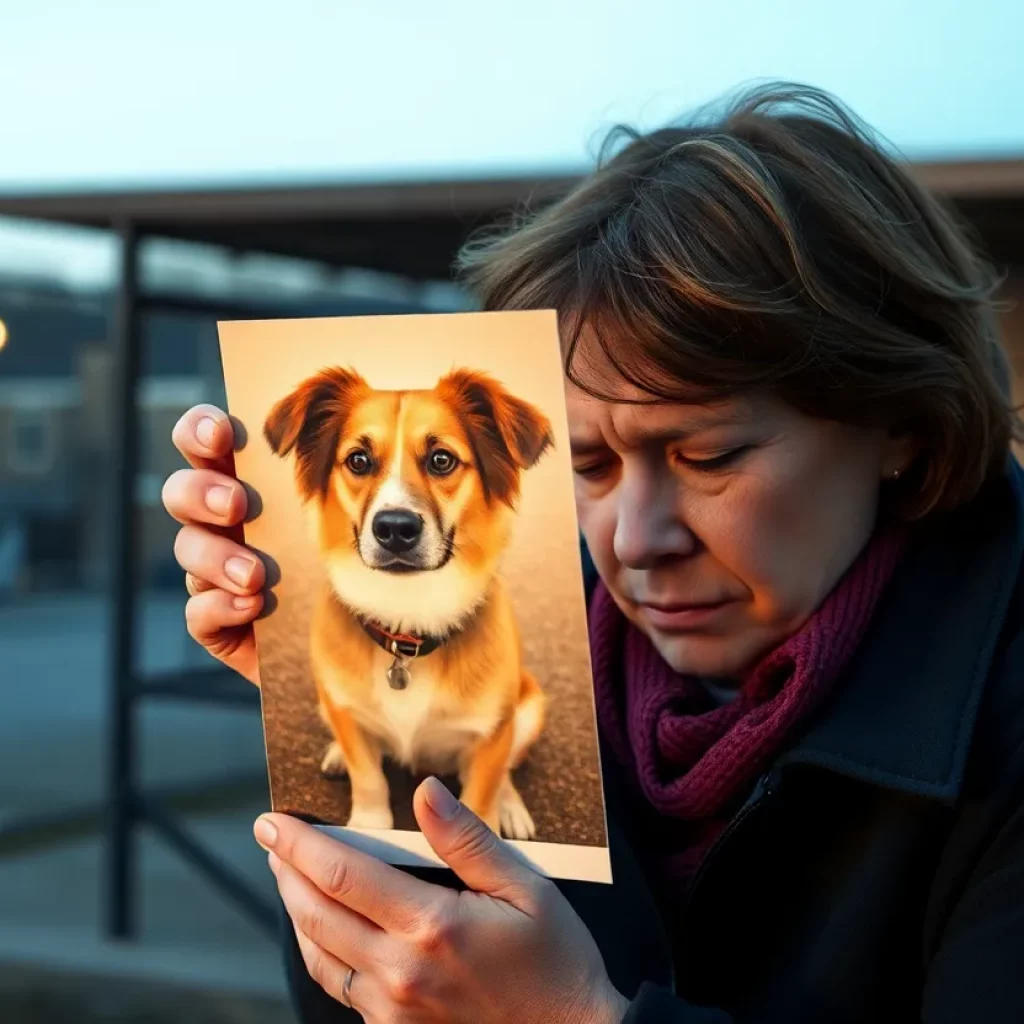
x: 441, y: 463
x: 359, y: 463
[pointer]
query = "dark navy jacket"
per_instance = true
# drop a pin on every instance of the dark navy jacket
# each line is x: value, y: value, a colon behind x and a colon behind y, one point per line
x: 877, y: 871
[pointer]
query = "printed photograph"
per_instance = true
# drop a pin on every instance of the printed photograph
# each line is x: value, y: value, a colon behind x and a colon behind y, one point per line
x: 414, y: 499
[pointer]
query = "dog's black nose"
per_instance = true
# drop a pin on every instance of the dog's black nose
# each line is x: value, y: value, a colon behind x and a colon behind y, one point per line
x: 397, y: 530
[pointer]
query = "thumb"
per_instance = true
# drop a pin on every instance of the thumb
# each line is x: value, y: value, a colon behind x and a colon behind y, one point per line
x: 482, y: 860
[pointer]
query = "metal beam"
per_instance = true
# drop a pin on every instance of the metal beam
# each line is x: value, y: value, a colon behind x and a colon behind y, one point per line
x: 38, y: 831
x: 125, y: 343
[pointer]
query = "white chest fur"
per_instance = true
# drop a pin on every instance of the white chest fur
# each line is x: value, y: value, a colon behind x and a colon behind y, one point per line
x: 421, y: 726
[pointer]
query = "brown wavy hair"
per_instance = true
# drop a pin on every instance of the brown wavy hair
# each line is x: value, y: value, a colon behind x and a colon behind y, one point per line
x: 773, y: 245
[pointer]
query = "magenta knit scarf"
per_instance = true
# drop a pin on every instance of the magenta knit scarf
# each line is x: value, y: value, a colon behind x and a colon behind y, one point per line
x: 694, y: 762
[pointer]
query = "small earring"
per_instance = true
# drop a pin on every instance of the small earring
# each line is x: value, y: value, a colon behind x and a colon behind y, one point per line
x: 896, y: 475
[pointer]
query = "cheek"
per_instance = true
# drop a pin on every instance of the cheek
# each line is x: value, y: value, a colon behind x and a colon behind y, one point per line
x: 481, y: 530
x: 789, y: 531
x: 335, y: 527
x: 756, y: 531
x: 351, y: 498
x: 453, y: 499
x: 598, y: 518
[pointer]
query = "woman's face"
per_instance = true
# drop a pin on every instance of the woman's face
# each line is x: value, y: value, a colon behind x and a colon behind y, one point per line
x: 719, y: 529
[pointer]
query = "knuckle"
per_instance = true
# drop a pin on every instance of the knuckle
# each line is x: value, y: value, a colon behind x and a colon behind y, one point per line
x: 204, y: 615
x: 473, y: 841
x: 313, y: 922
x: 337, y: 878
x: 192, y: 615
x: 190, y: 542
x: 406, y: 985
x: 180, y: 433
x: 182, y: 546
x: 438, y: 930
x: 173, y: 489
x: 197, y: 621
x: 196, y: 549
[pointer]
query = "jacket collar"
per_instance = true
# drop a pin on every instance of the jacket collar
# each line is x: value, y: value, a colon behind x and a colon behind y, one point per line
x: 905, y: 715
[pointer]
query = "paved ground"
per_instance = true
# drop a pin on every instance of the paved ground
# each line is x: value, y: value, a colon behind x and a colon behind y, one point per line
x: 52, y: 729
x: 33, y: 996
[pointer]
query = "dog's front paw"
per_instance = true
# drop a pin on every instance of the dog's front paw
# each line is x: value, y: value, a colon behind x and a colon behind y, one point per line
x: 371, y: 817
x: 516, y: 822
x: 333, y: 764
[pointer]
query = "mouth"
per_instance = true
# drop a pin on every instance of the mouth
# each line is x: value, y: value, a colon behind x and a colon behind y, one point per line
x: 678, y: 616
x: 403, y: 565
x: 399, y: 566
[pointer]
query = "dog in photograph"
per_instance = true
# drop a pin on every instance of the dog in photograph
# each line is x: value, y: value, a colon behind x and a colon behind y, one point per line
x: 414, y: 645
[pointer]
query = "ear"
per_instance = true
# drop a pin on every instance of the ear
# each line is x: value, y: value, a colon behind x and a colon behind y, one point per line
x: 901, y: 449
x: 507, y: 434
x: 310, y: 420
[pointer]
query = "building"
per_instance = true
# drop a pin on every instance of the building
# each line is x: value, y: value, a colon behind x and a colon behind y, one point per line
x: 55, y: 430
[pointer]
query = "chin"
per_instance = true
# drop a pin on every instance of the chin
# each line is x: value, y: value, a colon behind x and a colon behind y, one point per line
x: 438, y: 601
x: 706, y: 655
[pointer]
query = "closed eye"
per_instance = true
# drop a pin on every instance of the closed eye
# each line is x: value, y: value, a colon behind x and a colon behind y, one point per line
x: 717, y: 462
x: 593, y: 470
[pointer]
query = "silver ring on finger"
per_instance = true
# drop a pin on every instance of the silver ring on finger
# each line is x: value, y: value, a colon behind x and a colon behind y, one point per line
x: 346, y: 988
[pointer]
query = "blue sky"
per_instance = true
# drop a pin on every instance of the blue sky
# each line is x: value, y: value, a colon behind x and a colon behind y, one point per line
x: 117, y: 92
x: 120, y: 91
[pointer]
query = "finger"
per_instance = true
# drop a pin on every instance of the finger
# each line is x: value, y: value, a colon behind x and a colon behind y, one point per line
x: 482, y: 860
x: 390, y: 898
x: 343, y: 933
x: 218, y: 560
x: 205, y: 437
x: 208, y: 615
x: 326, y: 970
x: 368, y: 995
x: 204, y: 496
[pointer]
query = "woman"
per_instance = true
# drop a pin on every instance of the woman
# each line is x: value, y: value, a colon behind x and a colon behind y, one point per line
x: 791, y: 442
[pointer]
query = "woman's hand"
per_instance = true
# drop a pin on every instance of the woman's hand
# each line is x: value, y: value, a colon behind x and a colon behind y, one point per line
x: 509, y: 949
x: 223, y: 577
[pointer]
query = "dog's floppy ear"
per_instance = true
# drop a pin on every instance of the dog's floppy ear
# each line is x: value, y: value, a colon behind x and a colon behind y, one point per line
x: 310, y: 420
x: 507, y: 434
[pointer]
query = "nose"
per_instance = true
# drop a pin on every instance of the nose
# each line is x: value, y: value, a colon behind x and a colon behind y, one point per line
x: 650, y: 528
x: 397, y: 530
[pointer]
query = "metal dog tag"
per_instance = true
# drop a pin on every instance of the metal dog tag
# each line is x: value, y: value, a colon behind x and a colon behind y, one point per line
x: 398, y: 675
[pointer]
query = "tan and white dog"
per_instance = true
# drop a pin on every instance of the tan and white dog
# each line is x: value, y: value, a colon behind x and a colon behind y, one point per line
x: 414, y: 644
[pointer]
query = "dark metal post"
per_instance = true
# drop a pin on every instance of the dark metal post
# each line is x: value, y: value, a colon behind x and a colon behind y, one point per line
x: 121, y: 789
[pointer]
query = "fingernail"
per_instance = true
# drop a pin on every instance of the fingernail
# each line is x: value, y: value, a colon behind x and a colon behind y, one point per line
x: 239, y: 569
x: 206, y: 428
x: 265, y: 832
x: 274, y: 861
x: 218, y: 500
x: 440, y: 799
x: 243, y: 604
